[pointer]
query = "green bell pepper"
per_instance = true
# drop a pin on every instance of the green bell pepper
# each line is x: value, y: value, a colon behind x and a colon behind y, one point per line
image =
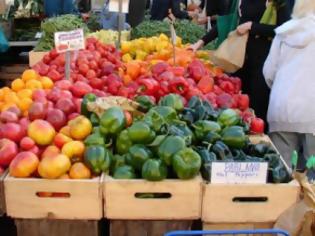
x: 170, y: 146
x: 138, y: 155
x: 280, y: 174
x: 96, y: 138
x: 273, y: 160
x: 234, y: 137
x: 117, y: 161
x: 228, y: 117
x: 172, y: 100
x: 186, y: 163
x: 145, y: 102
x: 124, y: 172
x: 154, y: 170
x: 97, y: 158
x: 95, y: 120
x: 141, y: 133
x: 168, y: 113
x: 182, y: 130
x: 211, y: 137
x: 90, y: 97
x: 123, y: 142
x: 203, y: 127
x: 222, y: 151
x: 206, y: 158
x: 112, y: 121
x: 154, y: 120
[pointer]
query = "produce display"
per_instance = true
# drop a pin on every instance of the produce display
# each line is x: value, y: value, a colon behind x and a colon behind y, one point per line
x: 144, y: 117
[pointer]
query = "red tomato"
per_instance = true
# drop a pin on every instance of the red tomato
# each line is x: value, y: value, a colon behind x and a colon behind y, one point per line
x: 54, y: 75
x: 257, y: 126
x: 90, y: 74
x: 96, y: 83
x: 93, y: 65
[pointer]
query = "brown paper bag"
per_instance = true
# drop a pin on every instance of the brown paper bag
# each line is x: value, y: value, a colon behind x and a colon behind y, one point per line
x: 299, y: 220
x: 230, y: 55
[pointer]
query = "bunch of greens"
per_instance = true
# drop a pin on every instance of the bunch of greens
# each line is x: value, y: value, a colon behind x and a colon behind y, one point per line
x: 56, y: 24
x: 188, y: 31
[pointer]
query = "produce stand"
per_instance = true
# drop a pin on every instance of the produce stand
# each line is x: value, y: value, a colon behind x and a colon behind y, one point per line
x: 246, y: 206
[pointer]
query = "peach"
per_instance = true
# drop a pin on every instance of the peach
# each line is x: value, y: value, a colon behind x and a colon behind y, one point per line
x: 50, y: 151
x: 41, y: 132
x: 52, y: 167
x: 80, y: 127
x: 24, y: 165
x: 74, y: 150
x: 61, y: 139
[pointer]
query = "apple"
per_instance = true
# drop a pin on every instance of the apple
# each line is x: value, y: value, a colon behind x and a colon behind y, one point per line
x: 15, y: 110
x: 8, y: 150
x: 8, y: 116
x: 63, y: 84
x: 73, y: 116
x: 42, y: 132
x: 66, y: 105
x: 37, y: 111
x: 27, y: 143
x: 24, y: 122
x: 39, y: 94
x: 12, y: 131
x: 56, y: 118
x: 54, y: 95
x: 35, y: 150
x: 66, y: 94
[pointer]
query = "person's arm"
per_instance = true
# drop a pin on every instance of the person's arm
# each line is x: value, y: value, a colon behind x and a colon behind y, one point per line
x: 283, y: 15
x: 210, y: 36
x: 272, y: 62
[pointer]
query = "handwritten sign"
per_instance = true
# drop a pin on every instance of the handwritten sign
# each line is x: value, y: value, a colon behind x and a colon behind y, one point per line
x: 114, y: 6
x: 69, y: 41
x: 239, y: 172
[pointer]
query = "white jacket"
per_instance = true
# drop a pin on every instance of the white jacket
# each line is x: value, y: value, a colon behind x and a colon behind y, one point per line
x: 290, y: 73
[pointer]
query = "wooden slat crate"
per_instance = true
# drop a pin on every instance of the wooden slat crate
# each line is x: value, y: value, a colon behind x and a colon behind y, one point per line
x: 35, y: 57
x: 245, y: 203
x: 2, y: 197
x: 184, y: 200
x: 83, y: 198
x: 57, y: 227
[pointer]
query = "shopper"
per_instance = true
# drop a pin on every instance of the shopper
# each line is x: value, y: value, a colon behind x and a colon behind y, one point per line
x: 289, y: 71
x: 213, y: 8
x: 258, y: 45
x: 161, y: 9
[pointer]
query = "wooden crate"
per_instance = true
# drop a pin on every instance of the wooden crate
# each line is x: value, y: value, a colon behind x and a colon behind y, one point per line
x: 121, y: 202
x: 35, y: 57
x: 84, y: 199
x: 245, y: 203
x: 57, y: 227
x: 2, y: 197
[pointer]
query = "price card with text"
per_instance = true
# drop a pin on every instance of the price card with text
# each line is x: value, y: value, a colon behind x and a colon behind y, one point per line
x: 69, y: 41
x: 239, y: 172
x: 114, y: 6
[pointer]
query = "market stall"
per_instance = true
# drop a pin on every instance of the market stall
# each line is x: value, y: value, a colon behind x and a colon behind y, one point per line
x: 136, y: 135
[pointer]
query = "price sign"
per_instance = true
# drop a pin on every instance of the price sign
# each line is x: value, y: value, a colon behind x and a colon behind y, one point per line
x: 69, y: 41
x: 239, y: 172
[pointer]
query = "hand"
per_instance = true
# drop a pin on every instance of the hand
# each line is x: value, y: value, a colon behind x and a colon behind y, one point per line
x: 202, y: 20
x: 193, y: 14
x: 196, y: 46
x: 244, y: 28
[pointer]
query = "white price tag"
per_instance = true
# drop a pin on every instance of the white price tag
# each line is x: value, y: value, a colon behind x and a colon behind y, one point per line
x: 114, y: 6
x: 239, y: 172
x: 69, y: 41
x: 38, y: 35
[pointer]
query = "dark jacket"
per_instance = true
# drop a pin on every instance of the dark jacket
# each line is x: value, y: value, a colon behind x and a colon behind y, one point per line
x: 215, y: 7
x: 159, y: 9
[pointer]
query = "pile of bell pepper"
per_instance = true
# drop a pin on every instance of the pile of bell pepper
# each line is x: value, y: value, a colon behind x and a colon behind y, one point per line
x: 171, y: 140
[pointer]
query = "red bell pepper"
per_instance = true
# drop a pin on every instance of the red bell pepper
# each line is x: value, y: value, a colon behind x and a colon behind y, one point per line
x: 205, y: 85
x: 148, y: 86
x: 179, y: 85
x: 227, y: 86
x: 243, y: 101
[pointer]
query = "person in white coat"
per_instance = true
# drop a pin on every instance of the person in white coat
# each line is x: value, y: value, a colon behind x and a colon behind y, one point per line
x: 290, y: 73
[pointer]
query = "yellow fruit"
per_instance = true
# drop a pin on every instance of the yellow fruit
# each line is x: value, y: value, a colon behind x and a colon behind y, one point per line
x: 33, y: 84
x: 17, y: 85
x: 25, y: 93
x: 125, y: 47
x: 3, y: 92
x: 47, y: 83
x: 29, y: 75
x: 141, y: 55
x: 79, y: 171
x: 126, y: 58
x: 25, y: 103
x: 163, y: 37
x: 11, y: 98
